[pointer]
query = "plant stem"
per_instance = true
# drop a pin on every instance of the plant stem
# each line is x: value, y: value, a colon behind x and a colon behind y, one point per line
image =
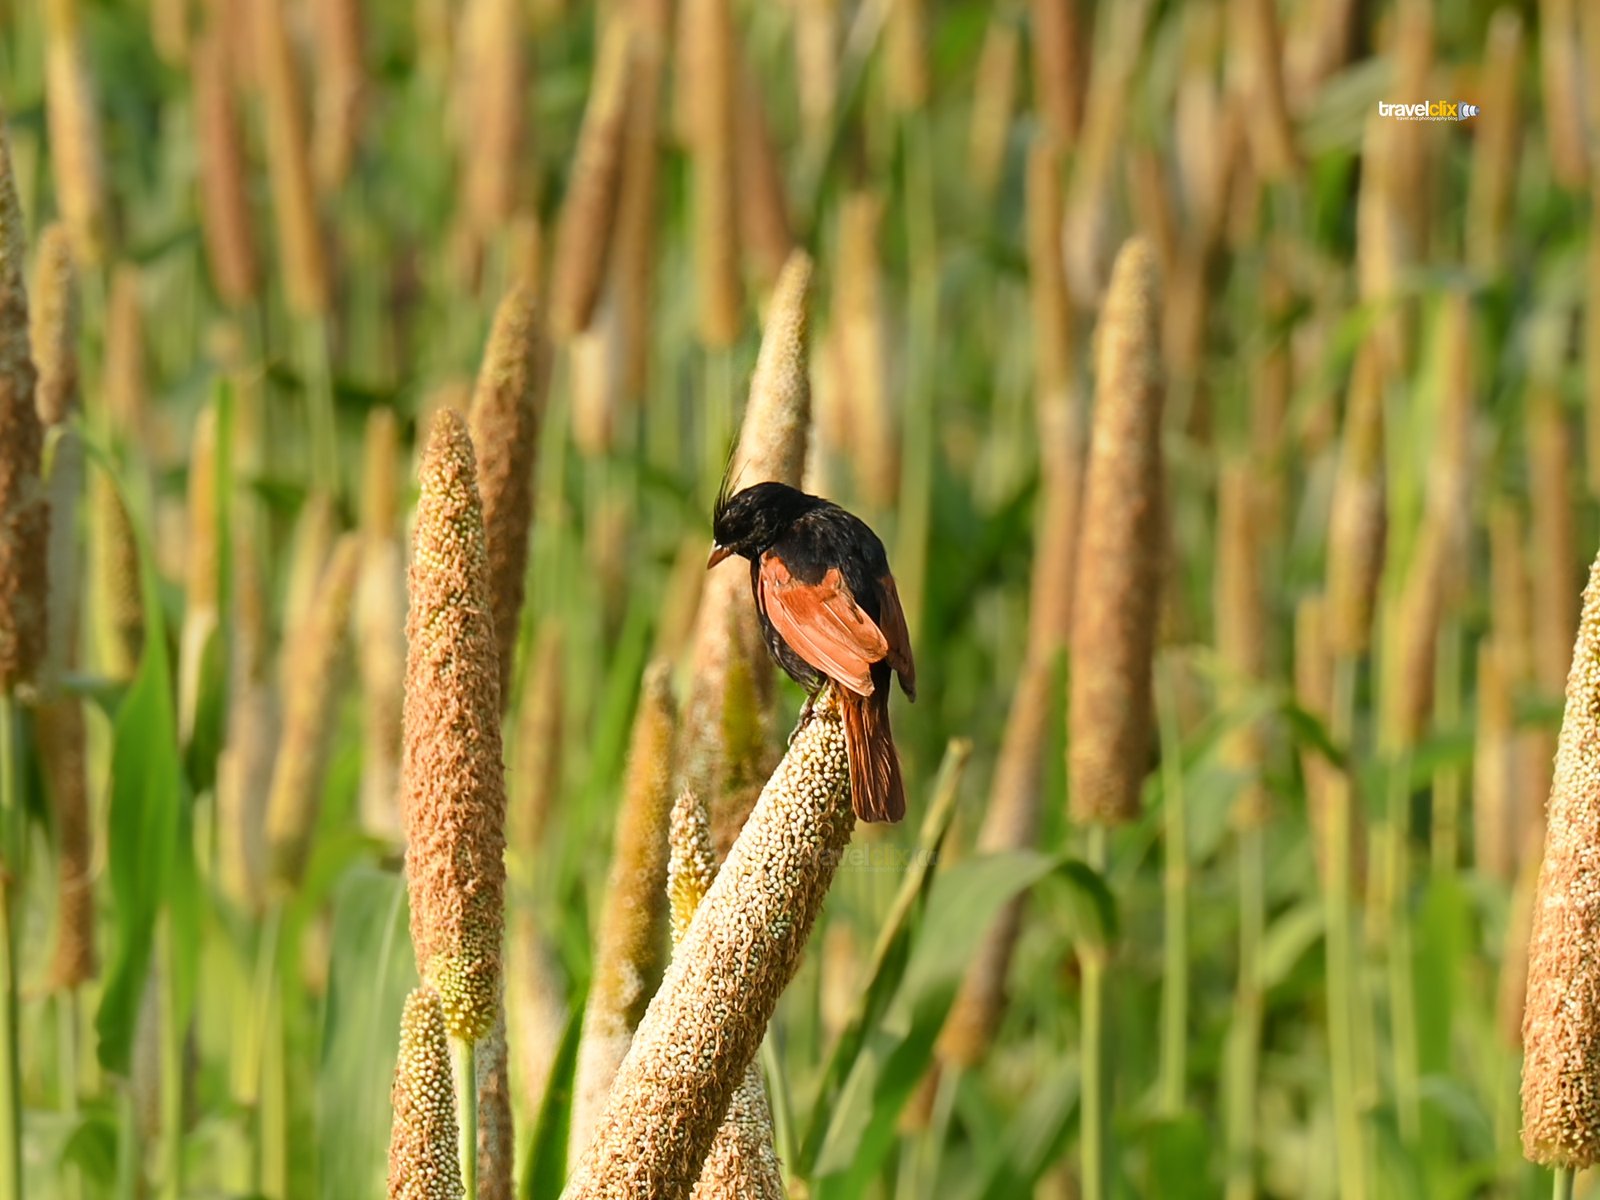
x: 272, y: 1085
x: 171, y: 1072
x: 10, y: 878
x: 1175, y: 894
x: 1095, y: 1129
x: 1339, y: 946
x: 1245, y: 1056
x: 1402, y: 1005
x: 922, y: 332
x: 317, y: 377
x: 1446, y: 833
x: 1562, y: 1185
x: 467, y: 1103
x: 720, y: 427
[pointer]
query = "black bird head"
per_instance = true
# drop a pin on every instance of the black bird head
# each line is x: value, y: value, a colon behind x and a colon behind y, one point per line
x: 750, y: 521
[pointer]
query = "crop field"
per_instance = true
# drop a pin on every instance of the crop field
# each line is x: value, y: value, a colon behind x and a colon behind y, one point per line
x: 398, y: 796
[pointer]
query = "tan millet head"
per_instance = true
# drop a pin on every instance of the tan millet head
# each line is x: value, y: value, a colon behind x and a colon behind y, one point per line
x: 452, y: 775
x: 1119, y: 569
x: 1561, y: 1018
x: 24, y: 517
x: 423, y: 1163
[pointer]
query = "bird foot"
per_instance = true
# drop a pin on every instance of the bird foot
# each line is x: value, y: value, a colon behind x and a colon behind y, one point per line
x: 805, y: 717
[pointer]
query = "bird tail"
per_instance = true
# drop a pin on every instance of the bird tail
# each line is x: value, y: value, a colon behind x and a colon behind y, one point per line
x: 876, y: 789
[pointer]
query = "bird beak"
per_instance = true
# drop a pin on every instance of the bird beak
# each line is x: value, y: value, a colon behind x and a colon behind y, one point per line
x: 718, y: 553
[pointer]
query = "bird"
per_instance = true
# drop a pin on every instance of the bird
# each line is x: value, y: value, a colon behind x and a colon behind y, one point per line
x: 830, y: 614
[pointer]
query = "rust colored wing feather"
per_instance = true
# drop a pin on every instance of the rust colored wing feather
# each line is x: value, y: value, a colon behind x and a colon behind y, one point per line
x: 823, y: 624
x: 892, y: 618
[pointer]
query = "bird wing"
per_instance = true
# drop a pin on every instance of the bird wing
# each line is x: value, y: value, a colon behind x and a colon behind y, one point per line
x: 822, y: 623
x: 893, y: 620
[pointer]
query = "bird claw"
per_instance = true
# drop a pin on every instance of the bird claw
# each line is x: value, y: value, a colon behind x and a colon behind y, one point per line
x: 805, y: 717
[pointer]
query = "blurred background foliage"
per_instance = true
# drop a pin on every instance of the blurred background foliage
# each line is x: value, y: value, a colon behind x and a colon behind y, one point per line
x: 244, y: 314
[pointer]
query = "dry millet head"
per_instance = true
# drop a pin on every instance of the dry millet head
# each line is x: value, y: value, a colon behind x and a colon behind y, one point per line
x: 691, y: 863
x: 772, y: 445
x: 224, y: 196
x: 504, y: 423
x: 706, y: 1021
x: 304, y: 262
x: 1051, y: 307
x: 74, y: 127
x: 452, y: 776
x: 1494, y: 156
x: 496, y: 1154
x: 58, y: 727
x: 1356, y: 510
x: 380, y: 492
x: 631, y: 935
x: 491, y: 84
x: 1561, y: 1020
x: 633, y: 254
x: 1058, y: 34
x: 536, y: 775
x: 584, y: 229
x: 994, y: 94
x: 708, y: 39
x: 24, y: 516
x: 858, y: 323
x: 772, y: 442
x: 423, y: 1141
x: 339, y: 88
x: 55, y: 326
x: 116, y: 578
x: 763, y: 208
x: 1118, y: 579
x: 123, y: 374
x: 743, y: 1160
x: 310, y: 694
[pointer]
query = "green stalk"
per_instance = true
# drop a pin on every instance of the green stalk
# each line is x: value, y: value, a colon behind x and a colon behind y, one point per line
x: 171, y: 1074
x: 272, y: 1084
x: 466, y: 1055
x: 1095, y: 1131
x: 68, y: 1015
x: 1245, y: 1040
x: 1175, y: 907
x: 128, y: 1147
x: 783, y: 1130
x: 1447, y: 783
x: 10, y: 872
x: 1339, y: 948
x: 720, y: 427
x: 1402, y: 986
x: 1562, y: 1188
x: 66, y: 1006
x: 918, y: 429
x: 316, y: 369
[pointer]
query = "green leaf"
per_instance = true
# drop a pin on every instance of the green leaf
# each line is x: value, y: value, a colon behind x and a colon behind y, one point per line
x: 370, y: 971
x: 546, y: 1168
x: 1287, y: 940
x: 1033, y: 1137
x: 1089, y: 905
x: 1179, y: 1149
x: 962, y: 905
x: 92, y: 1148
x: 1305, y: 729
x: 146, y: 818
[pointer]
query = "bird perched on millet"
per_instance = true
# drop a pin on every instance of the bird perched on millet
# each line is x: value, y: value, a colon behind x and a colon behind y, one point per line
x: 830, y: 614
